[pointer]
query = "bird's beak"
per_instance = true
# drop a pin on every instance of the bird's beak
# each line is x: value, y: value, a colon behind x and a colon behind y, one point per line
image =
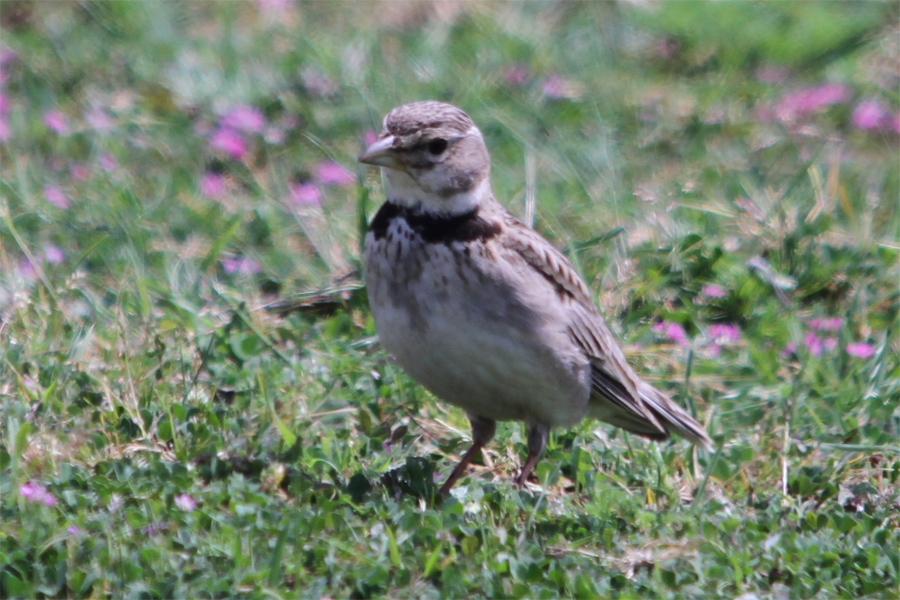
x: 381, y: 154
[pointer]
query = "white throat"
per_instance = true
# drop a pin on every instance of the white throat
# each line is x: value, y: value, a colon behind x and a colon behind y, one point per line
x: 403, y: 190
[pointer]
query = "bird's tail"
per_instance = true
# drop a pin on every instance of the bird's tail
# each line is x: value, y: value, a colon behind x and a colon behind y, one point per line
x: 655, y: 418
x: 651, y: 414
x: 672, y: 417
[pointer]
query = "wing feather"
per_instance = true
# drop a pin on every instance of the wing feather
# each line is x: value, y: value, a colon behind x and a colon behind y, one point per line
x: 619, y: 396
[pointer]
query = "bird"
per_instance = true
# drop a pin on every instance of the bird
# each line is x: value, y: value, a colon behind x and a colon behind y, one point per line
x: 482, y: 310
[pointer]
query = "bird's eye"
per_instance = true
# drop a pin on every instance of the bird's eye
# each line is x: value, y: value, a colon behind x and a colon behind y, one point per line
x: 437, y: 146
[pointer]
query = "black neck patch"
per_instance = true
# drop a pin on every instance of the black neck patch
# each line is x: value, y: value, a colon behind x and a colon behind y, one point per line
x: 435, y: 229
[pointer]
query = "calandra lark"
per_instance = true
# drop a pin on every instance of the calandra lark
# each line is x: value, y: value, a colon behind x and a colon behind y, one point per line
x: 482, y: 310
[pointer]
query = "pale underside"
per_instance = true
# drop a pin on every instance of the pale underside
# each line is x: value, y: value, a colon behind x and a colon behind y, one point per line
x: 478, y: 333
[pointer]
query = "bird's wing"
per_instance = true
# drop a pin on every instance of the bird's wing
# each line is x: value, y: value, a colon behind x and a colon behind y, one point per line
x: 630, y: 403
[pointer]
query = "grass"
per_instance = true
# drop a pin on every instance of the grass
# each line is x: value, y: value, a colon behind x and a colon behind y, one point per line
x: 193, y: 399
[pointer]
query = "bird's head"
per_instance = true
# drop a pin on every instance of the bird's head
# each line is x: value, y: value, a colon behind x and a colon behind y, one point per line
x: 435, y: 157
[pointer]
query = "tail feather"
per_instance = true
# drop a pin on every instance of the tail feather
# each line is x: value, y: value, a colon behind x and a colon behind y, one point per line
x: 655, y: 416
x: 629, y: 421
x: 674, y: 418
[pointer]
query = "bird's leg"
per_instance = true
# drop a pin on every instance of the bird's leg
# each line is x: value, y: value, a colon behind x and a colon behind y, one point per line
x: 482, y: 432
x: 538, y: 435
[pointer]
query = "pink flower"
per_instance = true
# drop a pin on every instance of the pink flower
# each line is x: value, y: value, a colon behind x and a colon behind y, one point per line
x: 4, y: 104
x: 212, y: 185
x: 719, y: 336
x: 830, y: 343
x: 185, y: 503
x: 29, y: 491
x: 228, y: 142
x: 240, y: 265
x: 771, y: 74
x: 35, y: 493
x: 672, y: 331
x: 53, y: 254
x: 6, y: 56
x: 56, y: 197
x: 713, y: 350
x: 370, y: 137
x: 244, y: 118
x: 331, y: 173
x: 517, y: 75
x: 713, y: 291
x: 108, y: 163
x: 99, y: 120
x: 895, y: 123
x: 72, y: 530
x: 870, y: 115
x: 273, y: 136
x: 317, y: 83
x: 860, y: 350
x: 765, y: 113
x: 56, y: 121
x: 819, y: 97
x: 273, y: 9
x: 829, y: 324
x: 554, y: 87
x: 802, y: 103
x: 26, y: 269
x: 724, y: 334
x: 813, y: 343
x: 789, y: 350
x: 305, y: 194
x: 79, y: 172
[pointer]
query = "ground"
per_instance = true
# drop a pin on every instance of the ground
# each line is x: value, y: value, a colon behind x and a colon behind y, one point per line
x: 193, y: 399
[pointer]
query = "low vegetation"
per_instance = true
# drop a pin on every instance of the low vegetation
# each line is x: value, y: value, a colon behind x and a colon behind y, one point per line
x: 193, y: 399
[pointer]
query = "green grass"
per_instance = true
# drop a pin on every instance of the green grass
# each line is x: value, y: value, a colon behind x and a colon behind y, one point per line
x: 196, y: 439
